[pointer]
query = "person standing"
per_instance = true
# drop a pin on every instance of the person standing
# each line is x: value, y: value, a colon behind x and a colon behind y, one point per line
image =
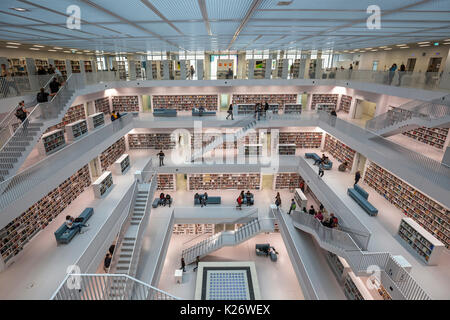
x: 278, y: 200
x: 183, y: 265
x: 321, y: 172
x: 266, y: 108
x: 401, y: 73
x: 391, y: 73
x: 239, y: 202
x: 204, y: 199
x: 357, y: 177
x: 107, y: 262
x: 230, y: 111
x: 42, y: 96
x: 161, y: 158
x: 293, y: 206
x: 54, y: 87
x: 197, y: 261
x: 191, y: 72
x: 312, y: 211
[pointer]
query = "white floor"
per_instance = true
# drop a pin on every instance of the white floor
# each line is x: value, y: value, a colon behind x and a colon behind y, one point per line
x: 277, y: 280
x: 414, y: 145
x: 41, y: 266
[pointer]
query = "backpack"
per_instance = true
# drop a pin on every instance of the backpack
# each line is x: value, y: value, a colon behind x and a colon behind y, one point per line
x: 19, y: 113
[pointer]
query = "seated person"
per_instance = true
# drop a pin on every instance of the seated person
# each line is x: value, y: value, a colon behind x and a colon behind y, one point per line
x: 113, y: 116
x: 321, y: 159
x: 168, y: 199
x: 332, y: 221
x: 197, y: 196
x: 326, y: 161
x: 343, y: 166
x: 312, y: 211
x: 162, y: 199
x: 249, y: 197
x: 319, y: 216
x: 118, y: 115
x: 77, y: 223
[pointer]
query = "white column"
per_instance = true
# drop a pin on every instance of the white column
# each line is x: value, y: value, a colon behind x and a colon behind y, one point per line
x: 68, y: 68
x: 355, y: 162
x: 149, y: 70
x: 251, y: 68
x: 132, y: 69
x: 285, y: 71
x: 352, y: 108
x: 165, y: 65
x: 268, y: 69
x: 309, y: 102
x: 199, y: 69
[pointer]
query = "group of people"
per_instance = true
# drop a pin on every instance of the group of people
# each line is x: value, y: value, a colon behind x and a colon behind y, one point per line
x: 331, y: 222
x: 391, y: 73
x: 42, y: 95
x: 183, y: 264
x: 242, y: 196
x: 115, y: 115
x: 75, y: 223
x: 261, y: 110
x: 202, y: 198
x: 165, y: 199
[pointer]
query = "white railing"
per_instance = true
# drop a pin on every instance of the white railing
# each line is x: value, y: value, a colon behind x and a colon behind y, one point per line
x: 107, y: 287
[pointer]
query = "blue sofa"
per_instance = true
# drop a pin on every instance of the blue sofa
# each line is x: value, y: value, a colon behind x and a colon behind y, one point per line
x: 360, y: 196
x: 157, y: 202
x: 211, y: 200
x: 65, y: 235
x: 316, y: 157
x: 164, y: 112
x: 204, y: 113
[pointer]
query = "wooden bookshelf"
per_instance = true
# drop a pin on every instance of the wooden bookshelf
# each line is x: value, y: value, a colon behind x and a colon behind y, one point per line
x: 233, y: 181
x: 287, y: 181
x: 354, y: 288
x: 125, y: 103
x: 339, y: 150
x: 185, y: 102
x: 73, y: 114
x: 292, y: 108
x: 252, y: 99
x: 429, y: 214
x: 122, y: 164
x: 424, y: 243
x: 111, y: 154
x: 346, y: 102
x: 122, y: 69
x: 301, y: 139
x: 61, y: 66
x: 18, y: 67
x: 159, y: 141
x: 324, y: 98
x: 76, y: 68
x: 287, y: 149
x: 15, y: 235
x: 88, y: 66
x: 327, y: 107
x: 96, y: 120
x: 102, y: 105
x: 103, y: 184
x: 339, y: 266
x: 52, y: 142
x: 193, y: 229
x: 76, y: 130
x: 166, y: 182
x: 40, y: 63
x: 435, y: 137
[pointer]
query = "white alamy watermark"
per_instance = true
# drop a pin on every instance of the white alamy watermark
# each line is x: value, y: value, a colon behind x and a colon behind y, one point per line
x: 374, y: 20
x: 74, y: 19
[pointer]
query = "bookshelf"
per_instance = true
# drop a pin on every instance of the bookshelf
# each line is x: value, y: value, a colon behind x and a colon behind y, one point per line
x: 301, y: 139
x: 253, y: 149
x: 73, y: 114
x: 300, y: 199
x: 18, y: 66
x: 76, y: 68
x: 76, y: 130
x: 103, y: 184
x: 159, y: 141
x: 354, y: 288
x: 40, y: 63
x: 296, y: 69
x: 52, y: 142
x: 125, y: 103
x: 111, y: 154
x: 339, y: 150
x: 87, y: 66
x: 287, y: 181
x: 95, y: 120
x: 193, y: 229
x: 429, y: 214
x: 324, y: 98
x: 346, y: 102
x: 287, y: 149
x: 252, y: 99
x: 327, y: 107
x: 185, y: 102
x: 432, y: 136
x: 166, y: 182
x: 102, y: 105
x: 292, y: 108
x: 424, y: 243
x: 122, y: 69
x: 15, y: 235
x: 223, y: 181
x: 61, y: 66
x: 245, y: 109
x: 339, y: 266
x: 122, y: 164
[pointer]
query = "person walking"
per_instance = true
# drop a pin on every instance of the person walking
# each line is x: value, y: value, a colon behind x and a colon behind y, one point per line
x: 22, y: 115
x: 401, y: 73
x: 161, y: 158
x: 321, y: 172
x: 391, y: 73
x: 42, y: 96
x: 230, y: 111
x: 183, y: 265
x: 54, y: 87
x: 197, y: 261
x: 107, y: 262
x: 293, y: 206
x: 266, y: 108
x: 239, y: 203
x: 191, y: 72
x: 278, y: 202
x: 204, y: 199
x: 312, y: 211
x: 357, y: 177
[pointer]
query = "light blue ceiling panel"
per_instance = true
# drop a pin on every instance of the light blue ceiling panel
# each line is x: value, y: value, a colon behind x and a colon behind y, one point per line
x: 163, y: 29
x: 229, y: 9
x: 224, y: 27
x: 179, y: 9
x: 318, y: 15
x: 338, y: 4
x: 130, y: 9
x: 192, y: 28
x: 424, y: 16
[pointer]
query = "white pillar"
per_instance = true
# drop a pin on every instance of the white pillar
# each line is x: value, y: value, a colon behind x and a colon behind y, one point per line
x: 199, y: 69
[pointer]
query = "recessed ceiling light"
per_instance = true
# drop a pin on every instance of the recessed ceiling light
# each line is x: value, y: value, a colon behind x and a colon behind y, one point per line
x: 34, y: 49
x: 447, y: 43
x: 20, y: 9
x: 404, y: 47
x: 284, y: 3
x: 52, y: 50
x: 87, y: 50
x: 362, y: 51
x: 12, y: 47
x: 67, y: 51
x: 14, y: 43
x: 369, y: 48
x: 401, y: 45
x: 38, y: 46
x: 374, y: 50
x: 424, y: 45
x: 388, y: 49
x: 57, y: 48
x: 383, y: 47
x: 423, y: 42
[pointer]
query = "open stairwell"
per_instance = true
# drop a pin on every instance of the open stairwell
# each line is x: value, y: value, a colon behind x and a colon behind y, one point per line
x: 361, y: 262
x: 227, y: 238
x: 24, y: 138
x: 247, y: 124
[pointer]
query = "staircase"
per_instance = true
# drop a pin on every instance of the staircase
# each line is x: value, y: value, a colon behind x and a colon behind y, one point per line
x: 24, y: 138
x: 410, y: 116
x: 227, y: 238
x: 361, y: 262
x: 246, y: 124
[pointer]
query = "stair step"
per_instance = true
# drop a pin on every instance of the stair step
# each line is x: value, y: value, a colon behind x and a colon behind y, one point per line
x: 8, y: 160
x: 18, y: 144
x: 14, y: 149
x: 125, y: 255
x: 126, y: 250
x: 134, y: 223
x: 129, y: 238
x: 10, y: 154
x: 128, y: 244
x: 124, y: 261
x: 22, y: 138
x: 4, y: 172
x: 6, y: 166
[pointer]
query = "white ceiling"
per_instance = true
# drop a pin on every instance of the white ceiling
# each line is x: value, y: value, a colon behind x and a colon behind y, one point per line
x: 213, y: 25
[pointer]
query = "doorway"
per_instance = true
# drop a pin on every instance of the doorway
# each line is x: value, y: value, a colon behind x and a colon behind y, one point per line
x: 434, y: 64
x: 95, y: 169
x: 364, y: 111
x: 267, y: 182
x: 146, y: 103
x: 410, y: 64
x: 181, y: 182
